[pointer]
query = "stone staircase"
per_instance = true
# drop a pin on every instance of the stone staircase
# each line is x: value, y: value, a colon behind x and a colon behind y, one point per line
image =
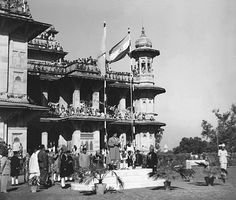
x: 133, y: 178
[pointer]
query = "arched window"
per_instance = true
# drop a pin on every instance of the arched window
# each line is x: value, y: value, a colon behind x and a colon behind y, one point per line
x: 17, y: 78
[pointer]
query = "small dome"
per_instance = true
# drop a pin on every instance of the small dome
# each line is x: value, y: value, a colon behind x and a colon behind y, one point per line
x: 143, y: 41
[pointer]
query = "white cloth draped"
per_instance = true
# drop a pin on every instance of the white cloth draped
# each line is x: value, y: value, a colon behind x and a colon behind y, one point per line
x: 34, y: 165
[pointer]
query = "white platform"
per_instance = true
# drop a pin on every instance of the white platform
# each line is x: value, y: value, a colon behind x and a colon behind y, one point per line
x: 190, y: 163
x: 134, y: 178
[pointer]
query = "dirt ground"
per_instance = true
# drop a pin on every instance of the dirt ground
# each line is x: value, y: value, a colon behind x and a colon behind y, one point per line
x: 194, y: 190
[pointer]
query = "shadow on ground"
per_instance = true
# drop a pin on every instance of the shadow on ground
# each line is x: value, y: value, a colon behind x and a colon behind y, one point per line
x: 200, y: 183
x: 162, y: 188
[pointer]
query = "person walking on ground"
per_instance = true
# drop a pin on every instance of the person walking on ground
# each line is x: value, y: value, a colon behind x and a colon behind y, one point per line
x: 51, y: 166
x: 223, y: 154
x: 5, y: 171
x: 63, y: 166
x: 33, y: 164
x: 15, y: 168
x: 43, y: 166
x: 56, y: 166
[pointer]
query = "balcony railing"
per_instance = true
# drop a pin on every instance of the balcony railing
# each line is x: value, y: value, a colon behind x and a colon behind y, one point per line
x: 85, y: 109
x: 86, y: 65
x: 46, y: 67
x: 119, y: 76
x: 44, y: 43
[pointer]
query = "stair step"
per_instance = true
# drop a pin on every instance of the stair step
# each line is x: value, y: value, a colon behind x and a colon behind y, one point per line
x: 135, y: 178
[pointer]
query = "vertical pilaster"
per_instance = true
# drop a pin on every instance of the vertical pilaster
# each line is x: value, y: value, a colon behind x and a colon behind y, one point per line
x: 18, y: 68
x: 95, y: 100
x: 5, y: 129
x: 63, y: 102
x: 2, y: 131
x: 155, y: 104
x: 44, y: 139
x: 122, y: 103
x: 137, y: 141
x: 96, y: 140
x: 76, y: 138
x: 76, y: 94
x: 3, y: 62
x: 62, y: 141
x: 44, y: 94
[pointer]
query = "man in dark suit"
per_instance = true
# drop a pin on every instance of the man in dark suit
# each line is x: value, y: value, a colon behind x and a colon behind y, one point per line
x: 152, y: 158
x: 43, y: 165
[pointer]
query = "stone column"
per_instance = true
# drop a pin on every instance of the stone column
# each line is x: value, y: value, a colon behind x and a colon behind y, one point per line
x: 96, y: 140
x: 44, y: 94
x: 4, y: 62
x: 76, y: 95
x: 122, y: 103
x: 5, y: 129
x: 76, y: 139
x: 2, y: 131
x: 155, y: 100
x: 63, y: 102
x: 148, y: 140
x: 137, y: 141
x: 62, y: 141
x: 95, y: 100
x: 44, y: 139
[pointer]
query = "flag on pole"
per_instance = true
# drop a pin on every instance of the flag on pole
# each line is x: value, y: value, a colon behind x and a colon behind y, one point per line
x: 102, y: 56
x: 120, y: 50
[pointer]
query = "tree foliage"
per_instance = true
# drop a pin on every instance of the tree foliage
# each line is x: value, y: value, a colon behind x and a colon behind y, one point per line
x: 224, y: 132
x: 191, y: 145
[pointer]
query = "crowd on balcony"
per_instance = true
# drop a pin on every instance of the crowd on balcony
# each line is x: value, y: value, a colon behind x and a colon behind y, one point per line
x: 84, y: 61
x: 86, y: 109
x: 64, y: 66
x: 16, y: 6
x: 47, y: 66
x: 41, y: 42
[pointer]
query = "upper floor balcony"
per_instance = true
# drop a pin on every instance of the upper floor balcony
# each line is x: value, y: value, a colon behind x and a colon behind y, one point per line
x: 118, y: 76
x: 86, y: 110
x: 46, y: 67
x: 15, y: 7
x: 84, y: 65
x: 45, y: 43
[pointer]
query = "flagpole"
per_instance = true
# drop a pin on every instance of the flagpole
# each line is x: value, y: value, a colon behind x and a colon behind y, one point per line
x: 131, y: 92
x: 105, y: 94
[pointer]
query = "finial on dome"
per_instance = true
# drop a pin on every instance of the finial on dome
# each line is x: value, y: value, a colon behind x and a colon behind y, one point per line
x: 143, y: 32
x: 143, y: 40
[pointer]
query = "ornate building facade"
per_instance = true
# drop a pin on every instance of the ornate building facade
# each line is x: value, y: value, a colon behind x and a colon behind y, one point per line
x: 47, y: 99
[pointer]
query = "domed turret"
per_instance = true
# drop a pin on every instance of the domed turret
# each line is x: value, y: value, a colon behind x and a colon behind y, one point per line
x: 143, y: 41
x: 143, y: 54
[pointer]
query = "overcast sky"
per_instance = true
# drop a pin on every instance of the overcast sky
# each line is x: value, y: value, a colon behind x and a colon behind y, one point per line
x: 196, y: 38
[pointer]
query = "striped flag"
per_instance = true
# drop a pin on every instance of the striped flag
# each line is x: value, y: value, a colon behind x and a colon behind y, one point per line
x: 120, y: 50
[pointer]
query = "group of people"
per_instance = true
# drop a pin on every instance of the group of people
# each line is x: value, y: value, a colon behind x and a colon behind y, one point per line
x: 9, y: 166
x: 127, y: 157
x: 52, y: 166
x: 59, y: 164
